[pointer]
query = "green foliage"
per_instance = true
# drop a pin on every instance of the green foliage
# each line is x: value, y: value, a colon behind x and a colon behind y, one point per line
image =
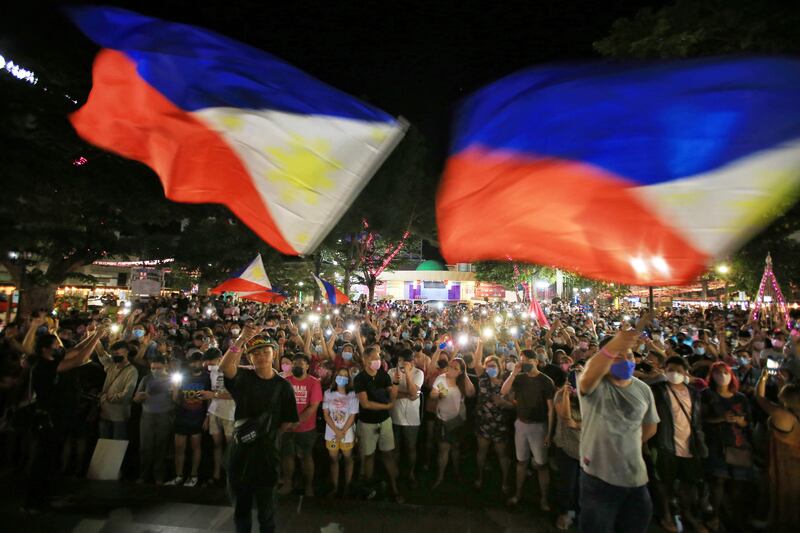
x: 691, y: 28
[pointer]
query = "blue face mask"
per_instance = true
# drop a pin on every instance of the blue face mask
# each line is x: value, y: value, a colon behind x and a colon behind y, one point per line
x: 347, y: 356
x: 502, y: 350
x: 700, y: 351
x: 138, y: 333
x: 491, y: 372
x: 404, y: 335
x: 318, y: 349
x: 428, y: 345
x: 423, y: 334
x: 623, y: 369
x: 342, y: 381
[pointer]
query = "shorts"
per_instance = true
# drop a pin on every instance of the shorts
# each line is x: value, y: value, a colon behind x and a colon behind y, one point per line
x: 335, y: 445
x: 188, y: 426
x: 407, y: 435
x: 299, y: 444
x: 529, y: 439
x: 218, y: 425
x: 453, y: 435
x: 371, y: 436
x: 670, y: 467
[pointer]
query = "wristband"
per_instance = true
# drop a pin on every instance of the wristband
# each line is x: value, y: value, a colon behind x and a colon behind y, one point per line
x: 234, y: 349
x: 605, y: 353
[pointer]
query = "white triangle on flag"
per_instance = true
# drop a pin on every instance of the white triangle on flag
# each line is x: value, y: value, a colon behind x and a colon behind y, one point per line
x: 256, y: 273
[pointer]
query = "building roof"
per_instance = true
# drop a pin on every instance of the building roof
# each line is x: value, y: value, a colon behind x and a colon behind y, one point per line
x: 432, y: 265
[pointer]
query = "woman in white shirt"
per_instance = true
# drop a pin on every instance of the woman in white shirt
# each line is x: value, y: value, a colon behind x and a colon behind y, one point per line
x: 339, y: 407
x: 449, y: 390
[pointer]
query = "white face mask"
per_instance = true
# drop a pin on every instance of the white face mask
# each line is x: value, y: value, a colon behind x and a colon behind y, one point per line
x: 675, y: 377
x: 510, y: 366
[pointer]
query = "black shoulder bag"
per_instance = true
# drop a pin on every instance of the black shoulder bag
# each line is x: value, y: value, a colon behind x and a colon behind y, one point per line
x: 251, y: 429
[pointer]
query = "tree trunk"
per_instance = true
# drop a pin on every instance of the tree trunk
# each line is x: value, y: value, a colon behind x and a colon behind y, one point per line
x: 317, y: 271
x: 36, y: 297
x: 346, y: 282
x: 371, y: 282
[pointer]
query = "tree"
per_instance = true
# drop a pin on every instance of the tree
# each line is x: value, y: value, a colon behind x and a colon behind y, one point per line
x: 688, y: 28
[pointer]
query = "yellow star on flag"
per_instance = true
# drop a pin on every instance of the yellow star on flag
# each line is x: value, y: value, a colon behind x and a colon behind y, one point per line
x: 231, y: 122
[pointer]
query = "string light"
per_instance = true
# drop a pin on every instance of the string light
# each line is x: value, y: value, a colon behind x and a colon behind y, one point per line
x: 17, y: 71
x: 80, y: 161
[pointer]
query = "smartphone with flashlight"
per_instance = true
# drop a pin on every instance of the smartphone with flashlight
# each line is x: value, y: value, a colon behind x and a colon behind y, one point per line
x: 772, y: 367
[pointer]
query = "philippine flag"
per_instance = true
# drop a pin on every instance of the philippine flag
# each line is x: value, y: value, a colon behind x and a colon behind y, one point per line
x: 250, y: 280
x: 222, y: 122
x: 635, y: 173
x: 333, y: 295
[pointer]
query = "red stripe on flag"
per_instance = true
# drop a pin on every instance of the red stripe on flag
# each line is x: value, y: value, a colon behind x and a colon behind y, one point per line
x: 495, y: 205
x: 238, y: 285
x: 127, y: 116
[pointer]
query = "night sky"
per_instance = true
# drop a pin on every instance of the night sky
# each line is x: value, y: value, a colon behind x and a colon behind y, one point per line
x: 414, y: 59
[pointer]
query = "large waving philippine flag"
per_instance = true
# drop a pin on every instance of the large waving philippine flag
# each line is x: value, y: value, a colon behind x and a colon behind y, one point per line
x: 636, y: 173
x: 331, y: 293
x: 222, y: 122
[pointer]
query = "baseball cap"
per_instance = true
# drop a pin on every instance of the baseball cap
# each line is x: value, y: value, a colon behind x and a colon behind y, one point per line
x: 258, y: 342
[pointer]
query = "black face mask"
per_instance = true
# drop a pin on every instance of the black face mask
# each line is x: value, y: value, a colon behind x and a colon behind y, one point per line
x: 58, y: 354
x: 527, y: 367
x: 297, y: 371
x: 442, y: 363
x: 118, y: 358
x: 417, y: 347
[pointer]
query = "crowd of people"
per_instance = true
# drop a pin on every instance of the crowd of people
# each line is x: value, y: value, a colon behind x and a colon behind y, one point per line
x: 688, y: 417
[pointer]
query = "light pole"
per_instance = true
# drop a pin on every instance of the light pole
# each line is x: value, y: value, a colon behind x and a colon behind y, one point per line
x: 724, y: 270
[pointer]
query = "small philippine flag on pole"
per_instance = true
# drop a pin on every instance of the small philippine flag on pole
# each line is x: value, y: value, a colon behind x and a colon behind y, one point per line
x: 222, y: 122
x: 331, y: 293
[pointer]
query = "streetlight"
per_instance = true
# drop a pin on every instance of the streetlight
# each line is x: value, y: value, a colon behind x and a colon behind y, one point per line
x: 724, y: 270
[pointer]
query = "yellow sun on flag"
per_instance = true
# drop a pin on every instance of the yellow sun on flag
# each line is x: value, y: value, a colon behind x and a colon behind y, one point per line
x: 302, y: 170
x: 258, y: 273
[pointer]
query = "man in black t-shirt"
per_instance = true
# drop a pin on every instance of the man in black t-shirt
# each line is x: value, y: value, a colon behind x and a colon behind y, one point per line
x: 376, y: 395
x: 259, y: 394
x: 533, y: 396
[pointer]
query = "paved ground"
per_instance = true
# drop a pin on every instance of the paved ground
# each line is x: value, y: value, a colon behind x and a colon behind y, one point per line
x: 116, y: 507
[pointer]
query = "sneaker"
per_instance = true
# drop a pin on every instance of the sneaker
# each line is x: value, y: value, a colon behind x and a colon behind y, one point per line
x: 563, y: 522
x: 177, y: 481
x: 191, y: 482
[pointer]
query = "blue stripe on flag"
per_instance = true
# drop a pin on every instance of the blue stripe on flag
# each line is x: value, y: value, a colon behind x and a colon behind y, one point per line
x: 196, y: 69
x: 645, y: 122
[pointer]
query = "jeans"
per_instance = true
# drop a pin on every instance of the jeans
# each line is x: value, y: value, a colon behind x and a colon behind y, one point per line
x: 155, y: 431
x: 606, y: 508
x: 242, y: 497
x: 109, y: 429
x: 566, y: 482
x: 43, y: 451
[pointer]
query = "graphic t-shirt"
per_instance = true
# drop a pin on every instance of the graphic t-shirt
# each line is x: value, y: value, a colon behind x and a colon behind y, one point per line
x: 340, y: 407
x: 221, y: 407
x: 191, y: 408
x: 306, y: 392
